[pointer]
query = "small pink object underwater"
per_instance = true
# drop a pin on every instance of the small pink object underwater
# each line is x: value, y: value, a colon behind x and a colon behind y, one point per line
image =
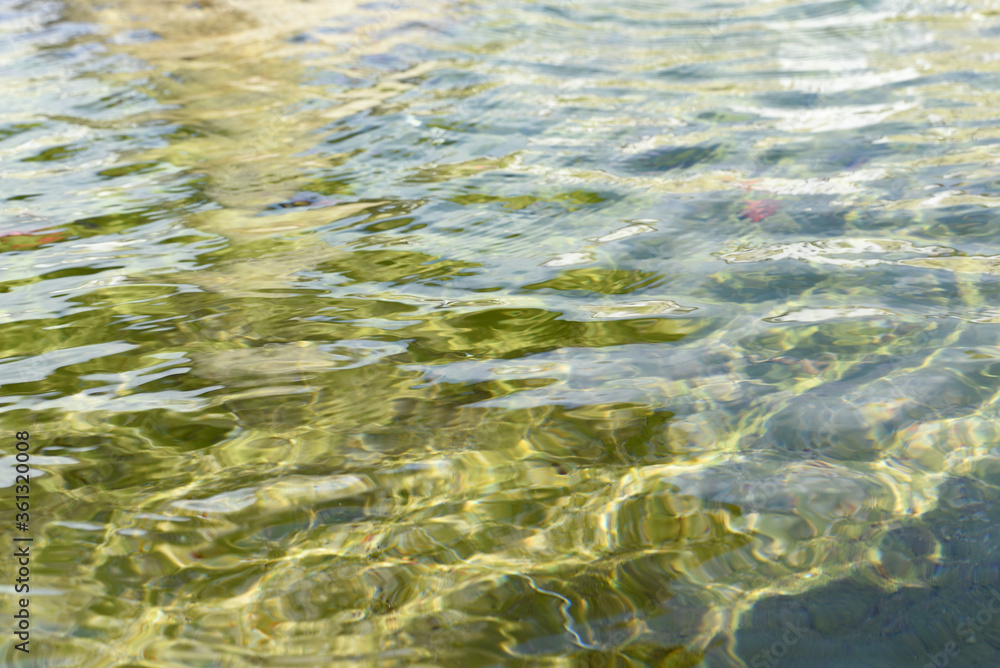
x: 759, y: 209
x: 31, y: 239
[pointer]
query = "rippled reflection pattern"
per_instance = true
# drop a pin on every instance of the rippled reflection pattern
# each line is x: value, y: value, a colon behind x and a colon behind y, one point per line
x: 524, y: 333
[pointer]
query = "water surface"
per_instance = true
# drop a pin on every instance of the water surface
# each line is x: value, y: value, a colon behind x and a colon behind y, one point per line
x: 522, y: 333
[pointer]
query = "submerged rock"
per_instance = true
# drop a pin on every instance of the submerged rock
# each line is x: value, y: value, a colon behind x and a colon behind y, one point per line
x: 821, y: 425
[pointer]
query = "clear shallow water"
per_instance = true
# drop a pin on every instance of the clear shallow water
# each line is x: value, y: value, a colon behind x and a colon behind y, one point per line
x: 482, y: 334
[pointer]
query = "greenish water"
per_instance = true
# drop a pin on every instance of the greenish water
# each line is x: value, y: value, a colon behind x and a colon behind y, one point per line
x: 559, y: 333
